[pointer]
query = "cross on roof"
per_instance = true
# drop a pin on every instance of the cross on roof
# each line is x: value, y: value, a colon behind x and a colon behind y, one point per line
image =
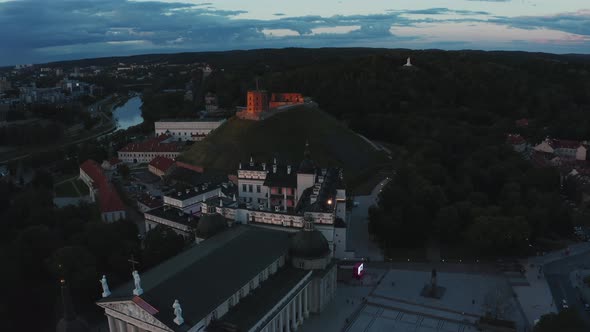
x: 133, y: 262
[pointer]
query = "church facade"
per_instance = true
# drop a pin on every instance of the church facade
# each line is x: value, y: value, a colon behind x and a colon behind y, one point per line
x: 242, y: 279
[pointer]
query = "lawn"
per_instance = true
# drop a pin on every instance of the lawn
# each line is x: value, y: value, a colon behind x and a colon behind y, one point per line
x: 284, y: 135
x: 68, y: 189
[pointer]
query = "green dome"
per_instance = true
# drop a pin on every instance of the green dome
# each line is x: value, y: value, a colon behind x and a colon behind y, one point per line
x: 309, y: 244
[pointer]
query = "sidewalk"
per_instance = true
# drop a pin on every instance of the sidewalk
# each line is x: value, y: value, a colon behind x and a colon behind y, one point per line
x: 537, y: 300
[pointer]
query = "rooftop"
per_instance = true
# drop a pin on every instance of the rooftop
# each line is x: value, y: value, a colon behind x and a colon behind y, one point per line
x: 316, y: 199
x: 282, y: 177
x: 174, y: 215
x: 204, y: 276
x: 156, y: 144
x: 162, y: 163
x: 108, y: 197
x: 208, y: 119
x: 253, y: 307
x: 194, y: 191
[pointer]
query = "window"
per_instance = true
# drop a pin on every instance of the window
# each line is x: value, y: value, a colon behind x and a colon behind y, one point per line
x: 258, y: 188
x: 244, y: 188
x: 251, y: 188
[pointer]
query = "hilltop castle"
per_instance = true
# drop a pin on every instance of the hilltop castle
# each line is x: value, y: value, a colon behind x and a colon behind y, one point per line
x: 259, y: 106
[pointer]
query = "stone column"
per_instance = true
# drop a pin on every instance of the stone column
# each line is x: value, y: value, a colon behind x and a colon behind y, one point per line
x: 285, y: 198
x: 288, y: 317
x: 132, y: 328
x: 112, y: 324
x: 121, y: 326
x: 305, y: 302
x: 281, y: 321
x: 293, y: 319
x: 300, y: 308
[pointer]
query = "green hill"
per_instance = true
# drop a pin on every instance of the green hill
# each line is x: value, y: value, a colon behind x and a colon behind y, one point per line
x: 284, y: 135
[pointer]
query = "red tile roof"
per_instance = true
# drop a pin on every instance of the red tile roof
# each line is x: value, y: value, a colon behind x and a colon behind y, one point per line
x: 150, y: 202
x: 108, y: 197
x: 153, y: 145
x: 564, y: 144
x: 515, y: 139
x: 162, y: 163
x: 114, y: 161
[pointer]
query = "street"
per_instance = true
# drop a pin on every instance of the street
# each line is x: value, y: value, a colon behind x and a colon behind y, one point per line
x: 359, y: 239
x: 557, y: 274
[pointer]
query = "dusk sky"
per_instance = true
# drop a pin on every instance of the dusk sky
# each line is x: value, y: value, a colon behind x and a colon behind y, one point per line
x: 36, y: 31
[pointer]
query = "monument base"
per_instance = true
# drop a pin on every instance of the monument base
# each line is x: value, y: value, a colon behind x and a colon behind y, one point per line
x: 437, y: 293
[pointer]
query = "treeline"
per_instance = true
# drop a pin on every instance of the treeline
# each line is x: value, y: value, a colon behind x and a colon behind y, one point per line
x: 31, y: 134
x: 457, y: 184
x: 40, y: 244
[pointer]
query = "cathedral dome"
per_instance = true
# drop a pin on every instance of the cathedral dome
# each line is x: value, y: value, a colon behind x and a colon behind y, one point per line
x: 309, y: 244
x: 210, y: 224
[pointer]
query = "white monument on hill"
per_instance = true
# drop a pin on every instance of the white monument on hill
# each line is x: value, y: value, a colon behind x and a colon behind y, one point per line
x: 408, y: 63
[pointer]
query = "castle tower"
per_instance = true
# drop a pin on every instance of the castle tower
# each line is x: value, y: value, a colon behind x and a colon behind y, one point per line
x: 257, y: 102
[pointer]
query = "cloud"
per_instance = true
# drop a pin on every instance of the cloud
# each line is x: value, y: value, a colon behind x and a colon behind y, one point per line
x: 38, y: 31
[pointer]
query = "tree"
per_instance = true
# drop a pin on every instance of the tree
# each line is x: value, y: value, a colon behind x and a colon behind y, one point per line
x: 566, y: 320
x: 161, y: 243
x: 124, y: 171
x: 43, y: 179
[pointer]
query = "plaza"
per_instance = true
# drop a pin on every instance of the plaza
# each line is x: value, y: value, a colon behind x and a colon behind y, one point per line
x: 390, y: 300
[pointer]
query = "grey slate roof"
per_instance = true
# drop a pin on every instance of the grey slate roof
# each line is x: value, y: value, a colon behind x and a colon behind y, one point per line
x: 204, y: 276
x: 253, y: 307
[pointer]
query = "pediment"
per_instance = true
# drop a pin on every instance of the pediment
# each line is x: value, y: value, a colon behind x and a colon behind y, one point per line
x: 130, y: 312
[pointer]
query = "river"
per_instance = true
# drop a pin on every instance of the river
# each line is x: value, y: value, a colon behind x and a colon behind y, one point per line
x: 129, y: 114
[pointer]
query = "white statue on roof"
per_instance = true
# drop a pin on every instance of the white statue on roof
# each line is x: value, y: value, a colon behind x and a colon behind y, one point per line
x: 178, y: 313
x: 408, y: 63
x: 105, y: 287
x: 137, y: 281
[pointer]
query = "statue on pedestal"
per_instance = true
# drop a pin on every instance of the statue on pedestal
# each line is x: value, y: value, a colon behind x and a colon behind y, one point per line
x: 105, y: 287
x: 178, y: 313
x: 137, y: 281
x: 433, y: 283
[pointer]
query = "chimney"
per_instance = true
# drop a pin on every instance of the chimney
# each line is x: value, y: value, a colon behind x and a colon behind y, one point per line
x: 288, y: 169
x: 274, y: 168
x: 240, y: 165
x: 188, y: 190
x: 264, y: 166
x: 251, y: 161
x: 275, y: 160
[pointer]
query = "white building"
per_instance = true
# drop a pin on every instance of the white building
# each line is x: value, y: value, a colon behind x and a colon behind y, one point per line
x: 189, y: 200
x: 187, y: 130
x: 145, y: 152
x: 563, y: 148
x: 243, y: 279
x: 110, y: 204
x: 281, y: 196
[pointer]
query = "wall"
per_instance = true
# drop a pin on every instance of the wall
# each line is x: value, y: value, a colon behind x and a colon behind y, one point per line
x: 144, y: 157
x: 185, y: 130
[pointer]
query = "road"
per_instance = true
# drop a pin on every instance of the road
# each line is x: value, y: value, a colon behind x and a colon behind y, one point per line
x: 557, y: 274
x: 358, y: 237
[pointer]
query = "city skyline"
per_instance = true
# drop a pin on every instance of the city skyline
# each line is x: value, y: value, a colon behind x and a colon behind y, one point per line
x: 36, y: 31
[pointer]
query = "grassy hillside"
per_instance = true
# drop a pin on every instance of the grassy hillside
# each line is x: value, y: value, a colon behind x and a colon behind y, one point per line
x: 284, y: 135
